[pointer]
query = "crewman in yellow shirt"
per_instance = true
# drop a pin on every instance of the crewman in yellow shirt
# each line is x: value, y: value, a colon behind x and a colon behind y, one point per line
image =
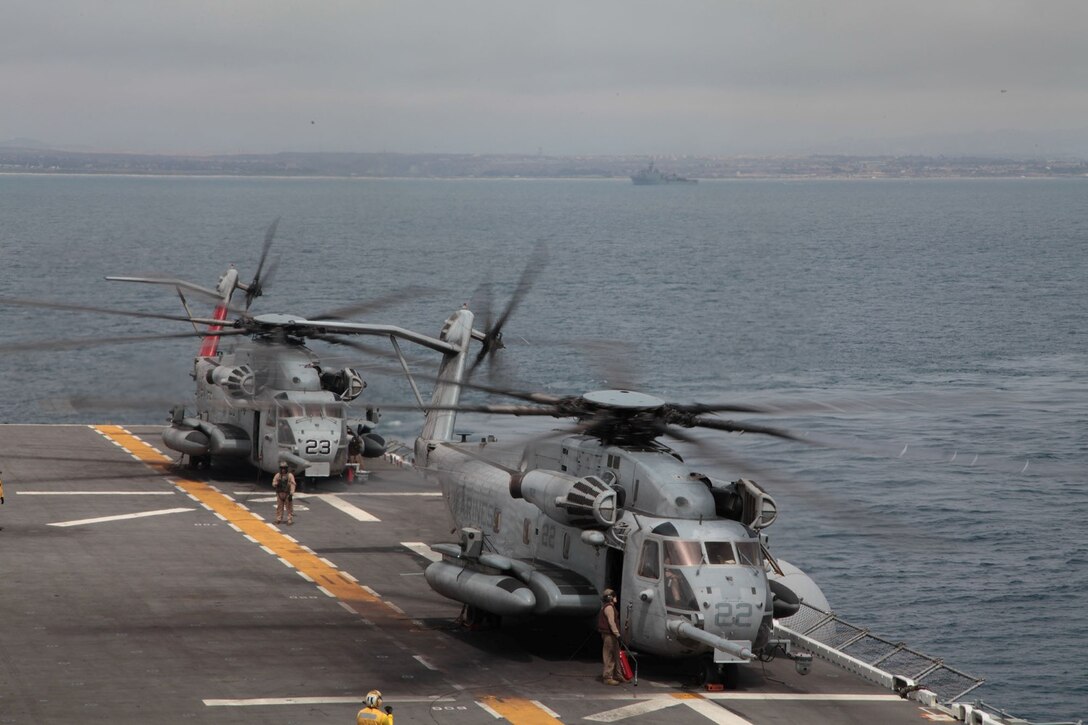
x: 374, y: 712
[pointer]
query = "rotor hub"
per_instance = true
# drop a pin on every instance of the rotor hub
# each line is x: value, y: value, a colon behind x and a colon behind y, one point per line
x: 623, y: 400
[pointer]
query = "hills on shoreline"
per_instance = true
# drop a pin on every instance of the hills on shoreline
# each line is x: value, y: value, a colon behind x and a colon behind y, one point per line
x: 19, y: 159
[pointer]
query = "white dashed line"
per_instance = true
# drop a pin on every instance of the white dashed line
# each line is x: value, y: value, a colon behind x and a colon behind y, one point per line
x: 488, y: 710
x: 545, y: 708
x: 120, y: 517
x: 351, y: 510
x: 95, y: 493
x: 423, y: 661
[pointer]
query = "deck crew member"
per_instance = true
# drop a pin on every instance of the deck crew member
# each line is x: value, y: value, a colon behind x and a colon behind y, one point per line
x: 608, y: 626
x: 355, y: 452
x: 284, y: 483
x: 374, y: 713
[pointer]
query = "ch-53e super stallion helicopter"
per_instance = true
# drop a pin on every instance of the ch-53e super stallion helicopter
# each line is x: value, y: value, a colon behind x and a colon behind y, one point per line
x: 605, y: 504
x: 264, y: 397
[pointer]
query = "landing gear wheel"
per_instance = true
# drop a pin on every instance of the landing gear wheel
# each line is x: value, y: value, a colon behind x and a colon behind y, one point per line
x: 730, y: 675
x: 714, y: 675
x: 475, y: 619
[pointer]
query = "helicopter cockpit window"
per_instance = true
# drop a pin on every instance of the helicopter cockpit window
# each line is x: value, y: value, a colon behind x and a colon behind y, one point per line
x: 290, y: 410
x: 720, y: 552
x: 748, y: 553
x: 678, y: 593
x: 286, y: 435
x: 648, y: 566
x: 683, y: 553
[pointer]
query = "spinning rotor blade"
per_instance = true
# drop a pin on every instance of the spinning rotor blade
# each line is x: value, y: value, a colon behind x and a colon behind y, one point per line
x: 493, y: 335
x: 255, y: 288
x: 700, y: 408
x: 88, y: 403
x: 354, y: 345
x: 88, y: 342
x: 483, y: 459
x: 20, y: 302
x: 169, y: 281
x: 377, y: 303
x: 491, y: 409
x: 734, y: 427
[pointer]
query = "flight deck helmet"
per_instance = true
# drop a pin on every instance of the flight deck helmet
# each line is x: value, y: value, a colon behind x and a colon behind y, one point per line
x: 374, y: 699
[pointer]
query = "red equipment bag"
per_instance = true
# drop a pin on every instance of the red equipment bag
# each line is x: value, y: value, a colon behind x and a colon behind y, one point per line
x: 625, y: 666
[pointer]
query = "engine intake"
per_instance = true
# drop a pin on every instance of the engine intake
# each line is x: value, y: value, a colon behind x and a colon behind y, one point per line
x: 238, y: 382
x: 346, y: 383
x: 744, y: 501
x: 588, y: 502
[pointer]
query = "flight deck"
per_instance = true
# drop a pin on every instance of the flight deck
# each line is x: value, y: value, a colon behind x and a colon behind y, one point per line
x: 137, y: 591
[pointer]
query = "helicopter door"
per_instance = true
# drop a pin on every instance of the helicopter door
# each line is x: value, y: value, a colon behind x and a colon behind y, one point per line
x: 255, y: 449
x: 642, y: 611
x: 268, y: 451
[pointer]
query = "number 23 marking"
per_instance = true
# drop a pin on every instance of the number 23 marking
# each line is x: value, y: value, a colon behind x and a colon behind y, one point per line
x: 314, y: 447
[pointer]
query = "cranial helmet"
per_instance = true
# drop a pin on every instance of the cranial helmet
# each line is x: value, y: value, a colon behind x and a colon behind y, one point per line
x: 373, y: 699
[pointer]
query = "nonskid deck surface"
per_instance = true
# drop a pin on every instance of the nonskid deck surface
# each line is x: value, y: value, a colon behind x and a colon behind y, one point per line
x: 134, y: 592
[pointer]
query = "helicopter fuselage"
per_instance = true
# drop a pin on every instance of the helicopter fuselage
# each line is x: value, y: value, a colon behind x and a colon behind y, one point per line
x: 672, y: 560
x: 267, y: 402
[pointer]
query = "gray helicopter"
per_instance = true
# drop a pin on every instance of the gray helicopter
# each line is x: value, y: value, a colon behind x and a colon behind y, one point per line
x: 605, y: 504
x: 262, y: 395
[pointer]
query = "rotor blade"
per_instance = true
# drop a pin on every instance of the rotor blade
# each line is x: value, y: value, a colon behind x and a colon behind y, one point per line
x: 21, y: 302
x: 530, y: 397
x: 355, y: 345
x: 88, y: 403
x: 532, y: 269
x: 483, y: 300
x: 254, y: 291
x: 527, y: 396
x: 483, y: 459
x: 89, y: 342
x: 717, y: 456
x: 493, y: 339
x: 699, y: 408
x: 171, y: 282
x: 733, y: 427
x: 377, y: 303
x: 490, y: 409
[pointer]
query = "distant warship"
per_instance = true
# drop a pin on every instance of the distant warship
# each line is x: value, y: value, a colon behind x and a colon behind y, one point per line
x: 651, y: 177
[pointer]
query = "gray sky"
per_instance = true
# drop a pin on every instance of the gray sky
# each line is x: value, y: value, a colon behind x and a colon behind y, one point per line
x: 702, y: 77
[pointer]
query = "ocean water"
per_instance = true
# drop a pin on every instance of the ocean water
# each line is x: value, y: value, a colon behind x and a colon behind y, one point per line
x: 931, y: 331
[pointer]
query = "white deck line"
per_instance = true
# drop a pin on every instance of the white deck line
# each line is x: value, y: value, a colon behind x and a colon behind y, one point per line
x: 120, y: 517
x: 351, y: 510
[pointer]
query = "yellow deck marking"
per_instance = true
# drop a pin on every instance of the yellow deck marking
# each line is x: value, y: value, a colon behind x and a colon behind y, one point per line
x: 519, y: 711
x: 328, y: 577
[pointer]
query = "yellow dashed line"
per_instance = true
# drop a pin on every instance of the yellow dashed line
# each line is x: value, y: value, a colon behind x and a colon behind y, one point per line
x: 519, y: 711
x: 326, y: 576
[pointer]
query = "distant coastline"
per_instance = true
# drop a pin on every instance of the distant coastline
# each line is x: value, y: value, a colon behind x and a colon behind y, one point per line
x: 528, y: 167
